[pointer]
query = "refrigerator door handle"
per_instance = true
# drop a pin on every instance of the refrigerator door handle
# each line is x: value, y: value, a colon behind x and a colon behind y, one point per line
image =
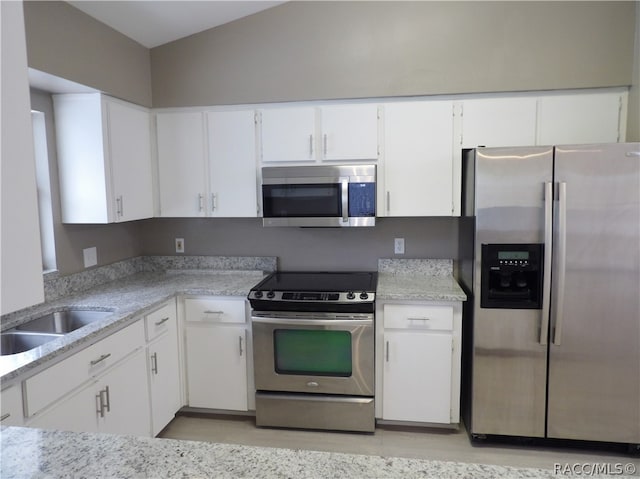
x: 562, y: 257
x: 546, y: 279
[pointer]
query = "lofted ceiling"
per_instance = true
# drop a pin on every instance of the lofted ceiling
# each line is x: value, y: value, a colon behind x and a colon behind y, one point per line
x: 156, y: 22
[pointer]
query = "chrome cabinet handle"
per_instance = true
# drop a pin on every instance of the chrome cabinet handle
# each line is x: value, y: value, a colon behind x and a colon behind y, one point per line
x: 200, y: 202
x: 154, y: 363
x: 4, y: 416
x: 387, y: 351
x: 562, y: 258
x: 240, y: 345
x: 213, y: 201
x: 119, y: 206
x: 213, y: 312
x: 99, y: 404
x: 100, y: 359
x: 162, y: 321
x: 310, y: 146
x: 548, y: 245
x: 419, y: 319
x: 388, y: 202
x: 324, y: 144
x: 108, y: 401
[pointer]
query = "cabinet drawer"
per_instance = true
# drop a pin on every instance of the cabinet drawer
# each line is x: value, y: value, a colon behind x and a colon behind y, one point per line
x: 418, y: 316
x: 56, y: 381
x: 215, y: 310
x: 160, y: 321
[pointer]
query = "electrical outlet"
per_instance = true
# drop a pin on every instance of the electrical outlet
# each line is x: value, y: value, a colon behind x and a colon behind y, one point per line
x: 398, y: 245
x: 90, y: 256
x: 179, y: 245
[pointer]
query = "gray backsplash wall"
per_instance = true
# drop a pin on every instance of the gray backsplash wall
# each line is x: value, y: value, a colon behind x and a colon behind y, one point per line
x: 335, y: 249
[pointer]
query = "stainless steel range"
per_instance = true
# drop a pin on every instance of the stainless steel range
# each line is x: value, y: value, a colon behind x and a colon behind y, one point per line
x: 313, y: 350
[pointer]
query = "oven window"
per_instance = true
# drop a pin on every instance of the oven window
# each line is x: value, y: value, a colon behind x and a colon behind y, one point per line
x: 302, y: 200
x: 303, y: 351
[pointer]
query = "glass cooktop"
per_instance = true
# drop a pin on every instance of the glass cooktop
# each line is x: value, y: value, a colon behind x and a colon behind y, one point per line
x: 319, y: 282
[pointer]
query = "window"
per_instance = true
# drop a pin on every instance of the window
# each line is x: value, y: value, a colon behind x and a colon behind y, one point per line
x: 43, y: 183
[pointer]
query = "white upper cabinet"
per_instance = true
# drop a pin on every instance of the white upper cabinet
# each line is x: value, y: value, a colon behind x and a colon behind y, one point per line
x: 104, y: 159
x: 341, y: 132
x: 207, y: 163
x: 498, y: 122
x: 349, y: 132
x: 232, y: 163
x: 288, y: 134
x: 418, y: 159
x: 182, y: 169
x: 22, y: 283
x: 580, y: 118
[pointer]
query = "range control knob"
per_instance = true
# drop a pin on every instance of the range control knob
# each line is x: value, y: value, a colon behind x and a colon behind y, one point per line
x: 271, y: 295
x: 350, y: 295
x: 257, y: 294
x: 364, y: 295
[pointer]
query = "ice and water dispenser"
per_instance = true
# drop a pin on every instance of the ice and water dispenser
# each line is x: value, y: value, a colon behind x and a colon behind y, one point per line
x: 512, y: 276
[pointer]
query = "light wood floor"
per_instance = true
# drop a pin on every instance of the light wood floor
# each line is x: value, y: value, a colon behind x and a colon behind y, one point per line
x: 433, y: 444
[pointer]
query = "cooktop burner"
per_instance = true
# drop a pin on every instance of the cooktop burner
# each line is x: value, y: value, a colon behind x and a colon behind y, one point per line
x: 315, y: 291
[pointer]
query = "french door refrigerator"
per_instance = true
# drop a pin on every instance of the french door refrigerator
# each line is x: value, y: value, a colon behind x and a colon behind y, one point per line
x: 553, y: 331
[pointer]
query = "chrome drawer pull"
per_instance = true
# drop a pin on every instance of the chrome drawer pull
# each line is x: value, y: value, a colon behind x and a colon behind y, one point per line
x: 154, y: 363
x: 213, y: 312
x: 162, y: 321
x: 100, y: 359
x: 419, y: 319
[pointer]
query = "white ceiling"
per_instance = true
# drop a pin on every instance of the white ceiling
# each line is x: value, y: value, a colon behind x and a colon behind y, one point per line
x: 156, y: 22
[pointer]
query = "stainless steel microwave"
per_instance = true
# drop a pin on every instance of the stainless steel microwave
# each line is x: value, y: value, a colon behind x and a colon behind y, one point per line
x: 319, y: 195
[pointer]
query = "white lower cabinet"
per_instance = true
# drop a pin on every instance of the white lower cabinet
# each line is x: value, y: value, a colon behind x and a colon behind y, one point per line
x: 216, y: 353
x: 11, y: 406
x: 116, y: 402
x: 419, y: 363
x: 163, y: 366
x: 101, y: 388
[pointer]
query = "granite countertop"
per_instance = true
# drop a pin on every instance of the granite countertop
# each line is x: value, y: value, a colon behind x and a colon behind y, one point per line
x: 418, y: 280
x: 30, y: 452
x: 128, y: 298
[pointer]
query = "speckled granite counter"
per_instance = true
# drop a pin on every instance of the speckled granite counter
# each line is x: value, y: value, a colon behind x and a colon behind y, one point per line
x: 128, y: 298
x: 55, y: 454
x: 418, y: 279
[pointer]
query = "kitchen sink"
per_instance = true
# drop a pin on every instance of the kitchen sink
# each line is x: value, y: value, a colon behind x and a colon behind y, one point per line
x: 14, y: 342
x: 63, y: 321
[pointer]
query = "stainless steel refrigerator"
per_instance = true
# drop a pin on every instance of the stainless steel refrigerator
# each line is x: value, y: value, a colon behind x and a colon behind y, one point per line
x: 553, y: 268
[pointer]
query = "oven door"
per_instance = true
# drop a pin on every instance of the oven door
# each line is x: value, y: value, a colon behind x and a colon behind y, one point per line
x: 321, y: 353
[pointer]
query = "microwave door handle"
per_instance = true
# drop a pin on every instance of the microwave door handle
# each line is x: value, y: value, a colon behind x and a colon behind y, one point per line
x: 345, y: 199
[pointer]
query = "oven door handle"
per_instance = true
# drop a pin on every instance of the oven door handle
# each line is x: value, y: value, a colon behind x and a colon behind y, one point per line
x: 313, y: 322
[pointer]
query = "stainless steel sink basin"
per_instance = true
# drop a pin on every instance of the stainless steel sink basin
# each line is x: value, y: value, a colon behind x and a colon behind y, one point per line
x: 63, y: 321
x: 13, y: 342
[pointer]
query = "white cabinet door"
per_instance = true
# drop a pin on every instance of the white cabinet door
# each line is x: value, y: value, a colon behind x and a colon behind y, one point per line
x: 498, y: 122
x: 182, y: 154
x: 217, y: 366
x: 163, y: 363
x: 21, y: 281
x: 418, y: 159
x: 125, y: 394
x: 11, y: 406
x: 232, y: 164
x: 77, y: 412
x: 288, y: 134
x: 104, y: 159
x: 130, y: 153
x: 417, y: 376
x: 349, y: 132
x: 579, y: 118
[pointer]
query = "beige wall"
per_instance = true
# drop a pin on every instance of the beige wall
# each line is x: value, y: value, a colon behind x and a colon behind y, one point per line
x: 63, y: 41
x: 327, y: 50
